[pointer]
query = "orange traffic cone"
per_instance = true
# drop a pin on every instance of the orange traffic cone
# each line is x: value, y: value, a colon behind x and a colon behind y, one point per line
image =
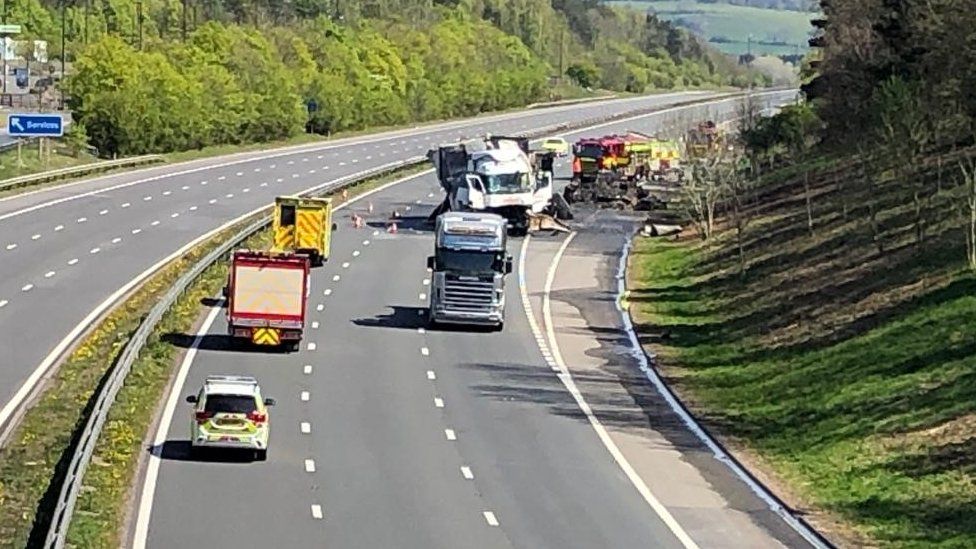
x: 392, y: 228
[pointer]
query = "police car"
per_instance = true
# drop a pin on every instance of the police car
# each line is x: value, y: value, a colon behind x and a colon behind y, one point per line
x: 230, y: 413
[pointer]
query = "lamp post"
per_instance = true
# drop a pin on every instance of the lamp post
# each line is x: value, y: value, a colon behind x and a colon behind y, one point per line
x: 64, y: 54
x: 139, y: 21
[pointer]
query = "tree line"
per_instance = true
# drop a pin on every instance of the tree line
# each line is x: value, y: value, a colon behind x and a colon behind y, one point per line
x: 149, y: 75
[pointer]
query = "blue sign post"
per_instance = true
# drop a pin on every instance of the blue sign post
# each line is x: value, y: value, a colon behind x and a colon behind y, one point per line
x: 35, y: 125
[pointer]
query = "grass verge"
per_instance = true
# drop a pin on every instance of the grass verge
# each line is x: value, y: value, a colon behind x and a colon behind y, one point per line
x: 40, y: 448
x: 842, y: 372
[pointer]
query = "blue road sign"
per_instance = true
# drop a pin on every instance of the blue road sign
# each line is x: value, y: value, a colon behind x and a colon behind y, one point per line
x: 35, y: 125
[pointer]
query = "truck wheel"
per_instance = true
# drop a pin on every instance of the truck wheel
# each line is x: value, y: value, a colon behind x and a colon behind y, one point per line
x: 261, y: 455
x: 500, y: 326
x: 318, y: 260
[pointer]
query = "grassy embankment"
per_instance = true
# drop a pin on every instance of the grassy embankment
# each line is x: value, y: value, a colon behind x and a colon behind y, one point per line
x: 734, y: 24
x: 844, y: 375
x: 39, y: 448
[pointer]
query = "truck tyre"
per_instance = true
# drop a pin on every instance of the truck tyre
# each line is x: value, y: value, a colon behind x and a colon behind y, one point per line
x: 261, y: 455
x: 499, y: 327
x: 317, y: 260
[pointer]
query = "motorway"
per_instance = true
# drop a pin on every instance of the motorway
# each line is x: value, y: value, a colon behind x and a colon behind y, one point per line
x: 387, y: 434
x: 68, y: 252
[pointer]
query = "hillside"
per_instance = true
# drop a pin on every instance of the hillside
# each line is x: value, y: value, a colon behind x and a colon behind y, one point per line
x: 727, y: 26
x: 149, y: 78
x: 842, y: 363
x: 824, y: 330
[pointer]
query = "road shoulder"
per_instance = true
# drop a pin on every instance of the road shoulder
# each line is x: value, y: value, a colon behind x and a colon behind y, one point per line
x: 705, y: 497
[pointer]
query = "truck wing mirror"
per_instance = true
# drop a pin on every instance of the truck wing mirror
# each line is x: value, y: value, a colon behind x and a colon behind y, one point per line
x: 430, y: 262
x: 269, y: 402
x: 508, y: 265
x: 192, y: 399
x: 335, y: 226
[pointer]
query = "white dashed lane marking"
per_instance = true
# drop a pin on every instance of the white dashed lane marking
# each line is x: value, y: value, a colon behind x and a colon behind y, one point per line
x: 27, y: 288
x: 193, y: 208
x: 317, y: 512
x: 307, y: 369
x: 59, y: 228
x: 82, y: 219
x: 421, y: 331
x: 438, y: 402
x: 328, y: 291
x: 49, y: 274
x: 212, y: 201
x: 306, y: 427
x: 116, y: 240
x: 73, y: 261
x: 450, y: 434
x: 320, y: 307
x: 309, y: 465
x: 466, y: 473
x: 312, y: 346
x: 345, y: 265
x: 147, y: 198
x: 425, y: 351
x: 423, y: 297
x: 304, y: 396
x: 431, y: 375
x: 154, y: 223
x: 221, y: 178
x: 336, y: 278
x: 355, y: 253
x: 126, y: 205
x: 11, y: 246
x: 167, y: 193
x: 136, y: 231
x: 103, y: 212
x: 185, y: 187
x: 426, y: 282
x: 490, y: 518
x: 315, y: 325
x: 365, y: 242
x: 94, y: 250
x: 3, y: 303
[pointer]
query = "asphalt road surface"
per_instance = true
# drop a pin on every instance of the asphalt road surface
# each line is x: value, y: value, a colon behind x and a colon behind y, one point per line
x: 66, y: 251
x: 390, y: 435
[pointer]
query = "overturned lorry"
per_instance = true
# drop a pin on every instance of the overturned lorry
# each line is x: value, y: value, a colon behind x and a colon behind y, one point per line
x: 500, y: 175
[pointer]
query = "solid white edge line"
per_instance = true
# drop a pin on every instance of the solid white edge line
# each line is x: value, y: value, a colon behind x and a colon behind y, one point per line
x: 567, y: 380
x: 162, y: 431
x: 718, y: 451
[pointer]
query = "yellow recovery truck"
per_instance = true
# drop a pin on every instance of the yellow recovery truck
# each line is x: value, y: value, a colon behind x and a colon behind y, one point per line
x: 303, y: 226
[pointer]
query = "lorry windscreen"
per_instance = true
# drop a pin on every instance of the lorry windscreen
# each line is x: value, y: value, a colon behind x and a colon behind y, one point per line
x: 589, y: 151
x: 507, y: 183
x: 467, y: 261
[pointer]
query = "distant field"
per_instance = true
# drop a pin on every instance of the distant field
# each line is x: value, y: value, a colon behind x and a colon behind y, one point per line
x: 734, y: 24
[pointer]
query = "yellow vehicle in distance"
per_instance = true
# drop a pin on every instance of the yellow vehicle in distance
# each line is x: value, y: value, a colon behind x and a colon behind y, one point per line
x: 556, y: 145
x: 303, y: 226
